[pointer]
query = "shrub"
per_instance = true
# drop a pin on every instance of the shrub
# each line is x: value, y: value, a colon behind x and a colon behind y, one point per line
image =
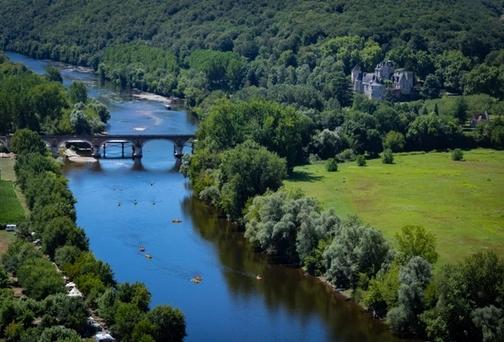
x: 457, y: 154
x: 388, y: 156
x: 346, y: 155
x: 332, y: 165
x: 361, y: 160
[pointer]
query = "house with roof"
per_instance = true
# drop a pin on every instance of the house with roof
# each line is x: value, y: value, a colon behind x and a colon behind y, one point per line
x: 386, y: 79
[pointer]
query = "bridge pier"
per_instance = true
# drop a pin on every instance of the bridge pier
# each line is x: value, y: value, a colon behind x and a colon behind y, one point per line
x: 137, y: 150
x: 178, y: 149
x: 96, y: 153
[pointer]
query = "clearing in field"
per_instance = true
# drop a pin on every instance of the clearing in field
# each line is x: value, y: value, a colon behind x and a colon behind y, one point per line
x: 462, y: 203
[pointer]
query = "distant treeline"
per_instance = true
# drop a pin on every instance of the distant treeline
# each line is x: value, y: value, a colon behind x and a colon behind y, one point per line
x: 49, y: 314
x: 297, y: 52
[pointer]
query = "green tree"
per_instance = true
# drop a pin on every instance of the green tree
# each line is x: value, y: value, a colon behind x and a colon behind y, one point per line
x: 78, y: 92
x: 415, y: 241
x: 26, y: 141
x: 394, y: 141
x: 388, y: 157
x: 169, y: 324
x: 460, y: 110
x: 356, y: 249
x: 332, y: 165
x: 248, y: 170
x: 414, y: 277
x: 53, y: 74
x: 457, y: 154
x: 431, y: 87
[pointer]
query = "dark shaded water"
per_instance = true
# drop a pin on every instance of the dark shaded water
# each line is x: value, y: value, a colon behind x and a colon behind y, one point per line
x: 122, y: 206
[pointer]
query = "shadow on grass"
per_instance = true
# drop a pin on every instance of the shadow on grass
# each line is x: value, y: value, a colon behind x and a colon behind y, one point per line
x: 302, y: 176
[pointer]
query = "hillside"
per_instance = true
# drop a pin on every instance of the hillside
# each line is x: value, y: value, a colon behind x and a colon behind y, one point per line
x: 280, y: 43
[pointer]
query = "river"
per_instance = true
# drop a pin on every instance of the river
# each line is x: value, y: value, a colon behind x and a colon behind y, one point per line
x: 122, y: 206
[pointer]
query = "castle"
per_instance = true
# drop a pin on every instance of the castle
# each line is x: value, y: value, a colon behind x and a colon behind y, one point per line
x: 385, y: 79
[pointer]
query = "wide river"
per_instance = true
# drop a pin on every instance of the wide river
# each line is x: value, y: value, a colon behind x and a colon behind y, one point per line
x: 122, y: 206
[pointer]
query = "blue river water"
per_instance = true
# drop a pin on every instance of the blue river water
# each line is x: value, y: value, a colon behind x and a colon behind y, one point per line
x: 122, y: 205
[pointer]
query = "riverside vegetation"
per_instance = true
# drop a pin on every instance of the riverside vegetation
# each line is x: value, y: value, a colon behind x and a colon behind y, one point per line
x: 47, y: 314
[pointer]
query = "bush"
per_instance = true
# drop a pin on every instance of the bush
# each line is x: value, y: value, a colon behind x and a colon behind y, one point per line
x: 457, y: 154
x: 346, y: 155
x: 388, y: 156
x: 361, y: 160
x: 332, y: 165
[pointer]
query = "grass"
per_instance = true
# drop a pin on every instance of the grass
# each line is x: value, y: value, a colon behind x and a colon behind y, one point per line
x: 12, y: 203
x: 11, y: 210
x: 462, y: 202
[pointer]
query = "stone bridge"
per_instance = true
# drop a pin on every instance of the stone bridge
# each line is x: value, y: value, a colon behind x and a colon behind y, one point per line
x: 98, y: 142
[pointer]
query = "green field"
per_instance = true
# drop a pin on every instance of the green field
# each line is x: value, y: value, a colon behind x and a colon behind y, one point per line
x: 11, y: 201
x: 11, y: 210
x: 462, y: 203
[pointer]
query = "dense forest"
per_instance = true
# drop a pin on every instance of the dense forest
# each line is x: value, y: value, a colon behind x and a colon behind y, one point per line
x: 300, y: 51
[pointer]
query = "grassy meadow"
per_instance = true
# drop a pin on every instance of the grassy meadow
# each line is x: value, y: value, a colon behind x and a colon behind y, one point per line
x: 462, y: 203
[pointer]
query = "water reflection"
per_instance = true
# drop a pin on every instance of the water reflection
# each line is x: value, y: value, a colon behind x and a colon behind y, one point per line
x: 280, y: 287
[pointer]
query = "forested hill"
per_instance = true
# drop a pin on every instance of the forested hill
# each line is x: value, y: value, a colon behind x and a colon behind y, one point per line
x: 85, y: 27
x: 301, y: 51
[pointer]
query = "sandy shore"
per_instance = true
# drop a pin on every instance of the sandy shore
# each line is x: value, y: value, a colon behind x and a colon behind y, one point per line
x: 152, y: 97
x: 75, y: 158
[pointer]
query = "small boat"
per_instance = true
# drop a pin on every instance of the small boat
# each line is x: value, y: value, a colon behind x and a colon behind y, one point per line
x: 176, y: 221
x: 118, y: 204
x: 196, y: 279
x: 148, y: 256
x: 167, y: 106
x: 258, y: 277
x: 141, y: 249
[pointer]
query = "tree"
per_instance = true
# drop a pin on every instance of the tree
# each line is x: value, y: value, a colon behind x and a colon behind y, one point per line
x: 248, y: 170
x: 460, y: 110
x: 382, y: 291
x: 388, y: 157
x: 59, y: 334
x: 53, y: 74
x: 125, y: 318
x: 432, y: 131
x: 361, y: 160
x: 457, y: 155
x: 461, y: 289
x: 169, y: 324
x: 332, y: 165
x: 415, y: 241
x: 355, y: 249
x: 485, y: 79
x: 70, y: 312
x: 62, y: 231
x: 414, y: 277
x: 78, y: 92
x: 26, y: 141
x: 327, y: 143
x: 394, y: 141
x: 490, y: 320
x: 431, y: 87
x: 136, y: 294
